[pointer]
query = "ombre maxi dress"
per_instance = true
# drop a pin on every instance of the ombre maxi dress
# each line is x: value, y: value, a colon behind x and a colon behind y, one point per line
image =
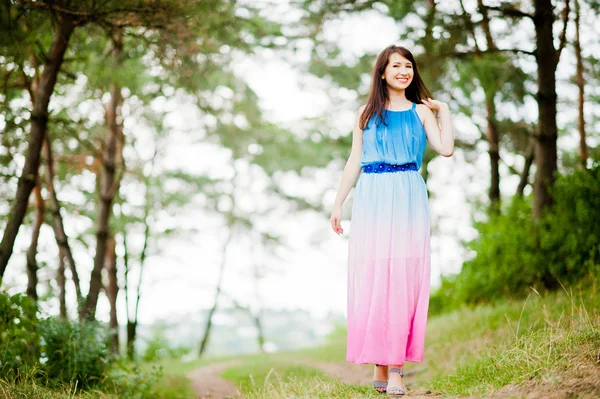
x: 389, y: 257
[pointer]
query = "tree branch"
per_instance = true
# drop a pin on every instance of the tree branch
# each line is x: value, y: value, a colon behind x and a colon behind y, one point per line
x: 563, y: 34
x: 509, y: 11
x: 464, y: 54
x: 93, y: 15
x: 511, y: 168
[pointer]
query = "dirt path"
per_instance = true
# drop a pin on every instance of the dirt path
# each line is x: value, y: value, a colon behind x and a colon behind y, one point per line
x: 207, y: 382
x: 579, y: 382
x: 357, y: 374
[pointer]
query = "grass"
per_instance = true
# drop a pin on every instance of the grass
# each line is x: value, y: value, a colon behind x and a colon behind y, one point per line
x: 296, y: 387
x: 263, y: 373
x: 540, y: 344
x: 522, y: 344
x: 122, y: 383
x: 543, y: 337
x: 168, y: 388
x: 33, y: 390
x: 177, y: 367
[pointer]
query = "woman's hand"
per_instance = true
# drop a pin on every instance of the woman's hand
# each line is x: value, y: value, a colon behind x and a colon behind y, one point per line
x: 336, y: 218
x: 440, y: 134
x: 434, y: 104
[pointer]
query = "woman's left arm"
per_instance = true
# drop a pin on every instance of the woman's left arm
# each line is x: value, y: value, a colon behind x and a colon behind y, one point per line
x: 440, y: 137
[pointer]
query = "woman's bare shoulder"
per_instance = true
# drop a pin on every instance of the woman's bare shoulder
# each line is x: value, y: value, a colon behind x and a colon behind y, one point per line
x: 423, y: 110
x: 422, y: 107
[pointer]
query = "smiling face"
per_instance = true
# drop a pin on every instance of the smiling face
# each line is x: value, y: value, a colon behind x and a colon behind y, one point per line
x: 398, y: 73
x: 395, y: 72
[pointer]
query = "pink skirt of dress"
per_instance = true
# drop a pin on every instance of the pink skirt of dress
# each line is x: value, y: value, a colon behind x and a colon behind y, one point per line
x: 388, y: 269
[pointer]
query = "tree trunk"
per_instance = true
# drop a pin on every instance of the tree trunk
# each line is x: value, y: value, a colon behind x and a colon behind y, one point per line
x: 230, y: 224
x: 39, y: 119
x: 526, y: 168
x: 132, y: 324
x: 131, y: 337
x: 259, y: 329
x: 257, y: 317
x: 108, y: 189
x: 64, y: 249
x: 545, y: 139
x: 213, y: 309
x: 485, y: 25
x: 492, y: 128
x: 143, y: 255
x: 583, y: 150
x: 32, y: 266
x: 494, y: 151
x: 130, y: 327
x: 62, y: 292
x: 112, y: 292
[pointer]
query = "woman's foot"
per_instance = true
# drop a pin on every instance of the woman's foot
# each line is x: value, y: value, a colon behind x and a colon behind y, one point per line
x: 395, y: 384
x: 380, y: 377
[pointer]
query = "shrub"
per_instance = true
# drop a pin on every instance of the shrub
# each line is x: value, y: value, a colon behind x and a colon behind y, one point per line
x: 74, y: 352
x: 507, y: 259
x: 158, y: 347
x: 19, y: 341
x: 128, y: 380
x: 514, y: 253
x: 571, y: 239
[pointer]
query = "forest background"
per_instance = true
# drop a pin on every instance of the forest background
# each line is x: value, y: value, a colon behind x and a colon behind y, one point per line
x: 168, y: 166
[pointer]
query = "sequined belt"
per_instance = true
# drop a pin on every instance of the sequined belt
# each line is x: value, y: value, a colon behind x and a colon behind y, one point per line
x: 382, y: 167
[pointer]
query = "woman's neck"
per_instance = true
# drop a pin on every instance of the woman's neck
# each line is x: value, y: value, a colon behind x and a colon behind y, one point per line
x: 397, y: 98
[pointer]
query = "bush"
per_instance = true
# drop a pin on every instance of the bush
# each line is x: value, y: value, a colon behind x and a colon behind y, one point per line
x: 64, y: 353
x: 571, y: 238
x: 514, y: 253
x: 158, y: 347
x: 508, y: 260
x: 129, y: 381
x: 19, y: 341
x: 74, y: 352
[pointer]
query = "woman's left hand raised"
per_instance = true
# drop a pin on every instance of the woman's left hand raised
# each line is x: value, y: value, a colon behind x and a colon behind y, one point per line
x: 434, y: 104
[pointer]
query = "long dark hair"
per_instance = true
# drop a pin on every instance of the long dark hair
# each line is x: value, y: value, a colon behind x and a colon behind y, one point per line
x: 379, y: 97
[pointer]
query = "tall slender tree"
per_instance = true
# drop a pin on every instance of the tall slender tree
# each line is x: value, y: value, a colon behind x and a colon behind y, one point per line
x: 231, y: 222
x: 112, y: 292
x: 32, y: 265
x: 580, y: 81
x: 62, y: 291
x: 547, y: 57
x: 109, y: 180
x: 63, y: 28
x: 66, y: 16
x: 64, y: 248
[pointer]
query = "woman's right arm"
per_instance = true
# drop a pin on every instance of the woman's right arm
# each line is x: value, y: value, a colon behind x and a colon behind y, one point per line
x: 350, y: 175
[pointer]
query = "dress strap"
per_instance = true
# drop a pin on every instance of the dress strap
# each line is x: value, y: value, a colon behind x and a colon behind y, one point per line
x: 414, y: 106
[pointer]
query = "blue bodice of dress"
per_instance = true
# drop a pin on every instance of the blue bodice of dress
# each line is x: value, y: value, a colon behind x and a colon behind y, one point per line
x: 400, y: 140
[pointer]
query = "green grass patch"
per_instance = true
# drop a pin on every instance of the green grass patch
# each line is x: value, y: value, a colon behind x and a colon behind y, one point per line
x: 33, y: 390
x: 333, y: 351
x: 177, y: 367
x: 541, y: 337
x: 473, y: 350
x: 174, y: 387
x: 253, y: 375
x: 540, y: 355
x: 170, y: 387
x: 295, y: 386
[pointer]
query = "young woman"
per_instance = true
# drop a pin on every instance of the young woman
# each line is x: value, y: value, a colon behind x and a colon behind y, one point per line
x: 388, y: 257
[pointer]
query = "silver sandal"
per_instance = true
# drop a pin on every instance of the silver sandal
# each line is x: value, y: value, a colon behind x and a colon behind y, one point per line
x: 380, y: 384
x: 395, y: 391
